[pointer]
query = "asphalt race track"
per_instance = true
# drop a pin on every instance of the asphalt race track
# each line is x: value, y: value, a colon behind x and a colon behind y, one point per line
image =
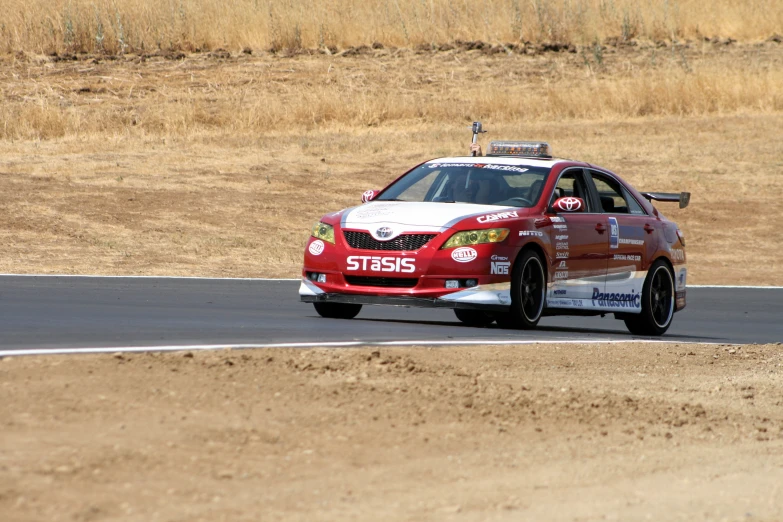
x: 55, y: 313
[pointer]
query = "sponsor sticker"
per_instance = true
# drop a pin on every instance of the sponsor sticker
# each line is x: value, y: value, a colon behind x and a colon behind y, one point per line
x: 573, y: 303
x: 561, y: 245
x: 559, y: 292
x: 499, y: 267
x: 506, y: 168
x: 561, y: 255
x: 561, y: 274
x: 498, y: 258
x: 316, y: 247
x: 381, y: 264
x: 560, y: 227
x: 562, y: 266
x: 682, y: 275
x: 561, y: 237
x: 626, y: 241
x: 497, y: 217
x: 614, y: 233
x: 464, y: 254
x: 367, y: 195
x: 616, y: 300
x: 624, y: 257
x: 557, y: 219
x: 678, y: 254
x: 531, y: 233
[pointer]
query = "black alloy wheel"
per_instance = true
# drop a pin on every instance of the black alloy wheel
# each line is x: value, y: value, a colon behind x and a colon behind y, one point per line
x: 657, y: 303
x: 528, y: 291
x: 337, y: 310
x: 474, y: 317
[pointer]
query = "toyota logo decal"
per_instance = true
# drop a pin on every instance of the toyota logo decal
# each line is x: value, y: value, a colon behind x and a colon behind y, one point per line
x: 569, y: 204
x: 384, y: 232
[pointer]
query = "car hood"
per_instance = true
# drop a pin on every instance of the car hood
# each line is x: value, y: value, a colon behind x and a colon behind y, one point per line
x: 403, y: 216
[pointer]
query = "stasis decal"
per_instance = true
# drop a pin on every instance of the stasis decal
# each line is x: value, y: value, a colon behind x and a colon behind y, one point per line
x: 381, y: 264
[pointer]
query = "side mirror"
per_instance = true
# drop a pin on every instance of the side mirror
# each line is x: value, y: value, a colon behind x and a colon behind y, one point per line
x: 569, y: 204
x: 369, y: 195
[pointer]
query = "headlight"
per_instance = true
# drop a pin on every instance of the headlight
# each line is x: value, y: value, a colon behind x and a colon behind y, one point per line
x: 476, y: 237
x: 323, y: 231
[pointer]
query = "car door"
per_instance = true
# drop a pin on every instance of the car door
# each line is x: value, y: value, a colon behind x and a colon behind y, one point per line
x: 580, y: 241
x: 632, y: 240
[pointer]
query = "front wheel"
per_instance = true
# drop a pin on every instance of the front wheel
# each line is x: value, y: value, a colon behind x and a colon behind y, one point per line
x: 657, y: 303
x: 528, y: 290
x: 337, y: 310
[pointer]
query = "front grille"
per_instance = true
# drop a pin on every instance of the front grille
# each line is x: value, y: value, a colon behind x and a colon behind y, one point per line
x: 364, y: 241
x: 389, y: 282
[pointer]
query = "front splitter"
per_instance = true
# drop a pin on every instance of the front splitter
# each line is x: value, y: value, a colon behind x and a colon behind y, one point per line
x: 420, y: 302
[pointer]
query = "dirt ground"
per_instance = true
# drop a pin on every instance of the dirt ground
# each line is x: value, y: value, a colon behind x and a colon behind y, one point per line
x: 640, y: 431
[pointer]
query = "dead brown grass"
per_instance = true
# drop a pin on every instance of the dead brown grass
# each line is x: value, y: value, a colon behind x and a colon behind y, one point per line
x: 47, y: 26
x: 546, y: 432
x: 200, y: 94
x: 213, y: 166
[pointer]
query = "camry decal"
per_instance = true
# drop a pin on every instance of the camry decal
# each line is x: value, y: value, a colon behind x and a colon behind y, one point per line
x: 497, y: 217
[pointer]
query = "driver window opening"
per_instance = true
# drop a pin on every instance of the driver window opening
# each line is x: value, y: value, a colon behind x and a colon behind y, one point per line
x: 570, y: 184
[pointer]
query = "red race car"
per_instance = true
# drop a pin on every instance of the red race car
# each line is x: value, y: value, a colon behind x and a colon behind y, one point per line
x: 508, y: 237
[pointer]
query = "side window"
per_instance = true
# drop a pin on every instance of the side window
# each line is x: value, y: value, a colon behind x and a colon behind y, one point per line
x: 571, y: 184
x: 611, y: 194
x: 633, y: 206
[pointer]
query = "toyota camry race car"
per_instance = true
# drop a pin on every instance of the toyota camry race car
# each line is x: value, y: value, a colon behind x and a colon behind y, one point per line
x: 508, y: 237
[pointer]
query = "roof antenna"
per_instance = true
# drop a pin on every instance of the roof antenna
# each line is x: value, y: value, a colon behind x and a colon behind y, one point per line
x: 476, y: 128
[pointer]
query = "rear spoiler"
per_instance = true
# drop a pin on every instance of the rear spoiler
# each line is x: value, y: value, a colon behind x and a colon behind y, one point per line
x: 683, y: 197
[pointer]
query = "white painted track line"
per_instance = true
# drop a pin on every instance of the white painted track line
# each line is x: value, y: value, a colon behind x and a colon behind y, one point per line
x: 337, y: 344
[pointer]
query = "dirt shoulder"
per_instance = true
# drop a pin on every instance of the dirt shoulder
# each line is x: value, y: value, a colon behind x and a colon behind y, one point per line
x: 556, y: 432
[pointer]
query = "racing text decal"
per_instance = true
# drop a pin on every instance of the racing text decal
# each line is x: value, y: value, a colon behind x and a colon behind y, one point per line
x: 381, y: 264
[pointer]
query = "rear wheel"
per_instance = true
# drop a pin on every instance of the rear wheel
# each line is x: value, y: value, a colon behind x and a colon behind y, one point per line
x: 337, y: 310
x: 528, y: 287
x: 474, y: 317
x: 657, y: 303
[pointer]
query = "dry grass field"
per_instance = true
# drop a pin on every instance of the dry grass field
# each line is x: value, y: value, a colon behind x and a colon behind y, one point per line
x: 550, y: 432
x: 107, y: 26
x: 217, y: 164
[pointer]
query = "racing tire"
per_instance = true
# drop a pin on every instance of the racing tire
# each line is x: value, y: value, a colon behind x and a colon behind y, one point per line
x: 657, y: 303
x: 475, y: 318
x: 528, y: 292
x: 337, y: 310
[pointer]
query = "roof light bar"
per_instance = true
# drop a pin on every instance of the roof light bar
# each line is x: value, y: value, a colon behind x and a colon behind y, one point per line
x: 536, y: 149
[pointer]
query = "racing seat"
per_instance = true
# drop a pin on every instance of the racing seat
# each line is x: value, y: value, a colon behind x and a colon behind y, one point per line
x: 607, y: 202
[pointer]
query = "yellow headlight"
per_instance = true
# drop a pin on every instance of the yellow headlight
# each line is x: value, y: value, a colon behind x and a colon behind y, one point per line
x: 324, y: 232
x: 476, y: 237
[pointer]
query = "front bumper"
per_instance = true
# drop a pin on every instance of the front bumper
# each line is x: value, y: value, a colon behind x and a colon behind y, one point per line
x: 490, y: 297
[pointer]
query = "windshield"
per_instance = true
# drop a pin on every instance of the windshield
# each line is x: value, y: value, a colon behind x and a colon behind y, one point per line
x: 480, y: 183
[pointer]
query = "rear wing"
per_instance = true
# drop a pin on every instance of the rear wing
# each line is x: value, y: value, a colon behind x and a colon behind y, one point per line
x: 683, y: 197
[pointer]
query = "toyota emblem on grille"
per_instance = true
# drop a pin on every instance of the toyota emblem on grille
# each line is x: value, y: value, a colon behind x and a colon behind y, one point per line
x: 384, y: 232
